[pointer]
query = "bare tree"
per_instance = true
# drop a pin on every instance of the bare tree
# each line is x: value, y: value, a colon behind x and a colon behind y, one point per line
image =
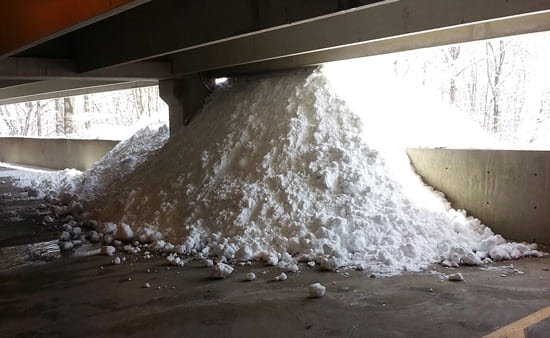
x: 68, y: 104
x: 59, y: 117
x: 454, y: 53
x: 495, y: 63
x: 38, y: 114
x: 28, y: 115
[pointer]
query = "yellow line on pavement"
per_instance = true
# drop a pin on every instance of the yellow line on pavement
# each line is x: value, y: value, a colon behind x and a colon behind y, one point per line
x: 517, y: 328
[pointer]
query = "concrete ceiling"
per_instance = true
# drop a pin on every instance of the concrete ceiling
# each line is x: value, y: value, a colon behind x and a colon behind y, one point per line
x: 143, y: 41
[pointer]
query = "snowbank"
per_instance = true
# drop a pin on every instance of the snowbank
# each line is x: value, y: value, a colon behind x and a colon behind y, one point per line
x: 123, y: 159
x: 276, y: 168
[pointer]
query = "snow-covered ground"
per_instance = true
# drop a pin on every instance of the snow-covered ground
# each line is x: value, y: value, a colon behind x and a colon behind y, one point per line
x: 274, y: 168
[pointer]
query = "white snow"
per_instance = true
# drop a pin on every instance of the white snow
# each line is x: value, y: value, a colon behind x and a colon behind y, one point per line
x: 220, y: 271
x: 173, y: 259
x: 281, y: 277
x: 276, y: 168
x: 316, y: 290
x: 124, y: 232
x: 107, y: 250
x: 65, y: 246
x: 65, y: 236
x: 123, y: 159
x: 250, y: 276
x: 456, y: 277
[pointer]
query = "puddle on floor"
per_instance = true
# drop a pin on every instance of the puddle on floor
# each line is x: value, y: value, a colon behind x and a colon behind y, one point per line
x: 14, y: 256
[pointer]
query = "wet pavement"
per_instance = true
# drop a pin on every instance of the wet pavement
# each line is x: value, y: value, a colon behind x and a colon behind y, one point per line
x: 84, y: 294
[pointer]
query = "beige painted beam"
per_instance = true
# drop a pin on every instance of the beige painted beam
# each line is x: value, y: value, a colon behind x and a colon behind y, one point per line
x: 383, y: 27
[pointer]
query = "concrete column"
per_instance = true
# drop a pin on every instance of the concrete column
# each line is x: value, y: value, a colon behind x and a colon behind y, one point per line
x: 184, y: 98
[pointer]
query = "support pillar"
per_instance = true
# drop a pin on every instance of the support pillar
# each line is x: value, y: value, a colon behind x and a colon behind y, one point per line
x: 184, y: 98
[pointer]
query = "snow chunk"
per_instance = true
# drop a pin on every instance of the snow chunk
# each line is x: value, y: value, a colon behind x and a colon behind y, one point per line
x: 124, y: 232
x: 107, y: 250
x: 65, y: 236
x: 456, y: 277
x: 108, y: 228
x: 243, y: 254
x: 66, y: 246
x: 220, y: 271
x: 316, y: 290
x: 281, y: 277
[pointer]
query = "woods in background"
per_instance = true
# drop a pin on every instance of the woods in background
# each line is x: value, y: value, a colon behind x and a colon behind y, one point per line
x: 86, y: 116
x: 500, y: 84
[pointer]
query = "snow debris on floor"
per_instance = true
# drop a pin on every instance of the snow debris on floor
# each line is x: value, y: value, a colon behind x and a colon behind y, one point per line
x: 63, y: 186
x: 281, y: 277
x: 107, y: 250
x: 250, y: 276
x: 275, y: 168
x: 221, y: 270
x: 456, y: 277
x: 316, y: 290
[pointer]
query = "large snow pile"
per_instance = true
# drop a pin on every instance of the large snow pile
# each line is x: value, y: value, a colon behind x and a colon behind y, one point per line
x: 122, y: 160
x: 112, y: 168
x: 275, y: 168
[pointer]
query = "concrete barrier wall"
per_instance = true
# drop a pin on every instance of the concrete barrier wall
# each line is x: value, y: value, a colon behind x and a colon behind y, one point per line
x: 508, y: 190
x: 53, y: 153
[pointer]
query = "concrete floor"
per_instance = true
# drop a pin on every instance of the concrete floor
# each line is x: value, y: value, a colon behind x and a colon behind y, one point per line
x: 85, y: 295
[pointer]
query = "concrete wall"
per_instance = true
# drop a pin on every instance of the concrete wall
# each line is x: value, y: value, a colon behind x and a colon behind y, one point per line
x: 508, y: 190
x: 53, y: 153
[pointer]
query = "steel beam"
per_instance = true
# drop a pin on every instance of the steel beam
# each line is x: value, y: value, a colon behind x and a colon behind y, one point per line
x: 384, y: 27
x: 42, y: 90
x: 11, y: 83
x: 22, y: 68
